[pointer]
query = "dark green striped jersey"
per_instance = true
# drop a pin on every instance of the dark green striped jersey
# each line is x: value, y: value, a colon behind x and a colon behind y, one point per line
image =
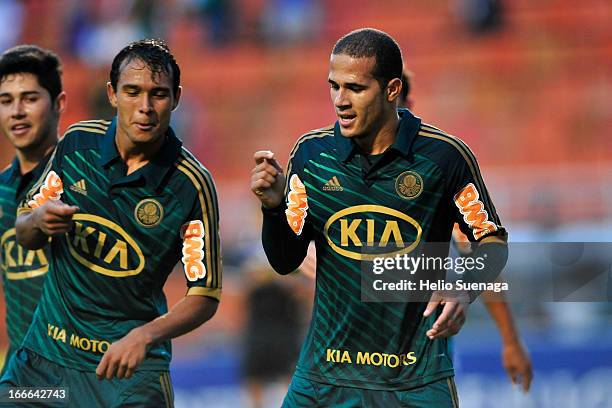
x: 349, y: 202
x: 106, y: 275
x: 23, y: 271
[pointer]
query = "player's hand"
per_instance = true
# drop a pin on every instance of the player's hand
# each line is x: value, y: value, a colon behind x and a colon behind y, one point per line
x: 124, y: 356
x: 54, y: 217
x: 517, y: 364
x: 267, y: 179
x: 453, y: 314
x: 308, y: 267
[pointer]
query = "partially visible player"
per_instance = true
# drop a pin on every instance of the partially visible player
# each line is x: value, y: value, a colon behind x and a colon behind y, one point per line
x: 514, y: 356
x: 377, y: 178
x: 31, y: 102
x: 123, y: 202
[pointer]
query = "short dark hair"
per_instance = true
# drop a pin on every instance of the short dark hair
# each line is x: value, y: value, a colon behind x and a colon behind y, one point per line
x: 30, y: 59
x: 369, y: 42
x: 154, y: 53
x: 406, y: 86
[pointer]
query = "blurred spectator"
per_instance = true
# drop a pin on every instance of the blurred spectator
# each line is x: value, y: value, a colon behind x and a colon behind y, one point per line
x: 98, y: 30
x: 217, y: 16
x: 11, y: 20
x: 291, y: 21
x: 273, y: 333
x: 480, y: 16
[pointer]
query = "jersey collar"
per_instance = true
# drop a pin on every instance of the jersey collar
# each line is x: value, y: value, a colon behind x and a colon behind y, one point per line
x: 155, y: 171
x: 408, y: 128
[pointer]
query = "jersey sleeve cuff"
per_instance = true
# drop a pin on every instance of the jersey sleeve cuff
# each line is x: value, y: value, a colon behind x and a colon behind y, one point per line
x: 208, y: 292
x: 23, y: 210
x: 276, y: 211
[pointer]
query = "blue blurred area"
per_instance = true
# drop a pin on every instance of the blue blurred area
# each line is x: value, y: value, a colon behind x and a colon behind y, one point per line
x: 569, y: 372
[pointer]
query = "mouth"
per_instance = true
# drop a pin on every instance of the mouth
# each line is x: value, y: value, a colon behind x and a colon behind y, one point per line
x: 145, y: 127
x: 346, y: 119
x: 20, y: 128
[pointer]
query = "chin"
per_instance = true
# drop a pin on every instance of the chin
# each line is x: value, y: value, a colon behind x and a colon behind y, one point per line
x: 350, y: 133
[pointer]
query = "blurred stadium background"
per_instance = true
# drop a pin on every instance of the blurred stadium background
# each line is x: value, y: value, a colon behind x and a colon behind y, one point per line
x: 527, y: 84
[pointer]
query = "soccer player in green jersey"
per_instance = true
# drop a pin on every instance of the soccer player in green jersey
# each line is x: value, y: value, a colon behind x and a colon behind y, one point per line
x: 123, y: 202
x: 377, y: 178
x: 31, y: 102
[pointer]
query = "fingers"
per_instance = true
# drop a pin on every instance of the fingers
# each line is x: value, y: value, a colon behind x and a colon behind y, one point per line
x: 527, y: 377
x: 441, y: 323
x: 275, y: 164
x: 449, y: 322
x: 110, y: 367
x: 121, y: 370
x: 452, y: 327
x: 265, y: 175
x: 432, y: 304
x: 101, y: 369
x: 130, y: 370
x: 66, y: 211
x: 260, y: 155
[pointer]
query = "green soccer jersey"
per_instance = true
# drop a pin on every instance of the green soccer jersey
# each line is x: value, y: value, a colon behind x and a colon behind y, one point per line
x: 23, y: 271
x: 348, y: 202
x: 106, y: 275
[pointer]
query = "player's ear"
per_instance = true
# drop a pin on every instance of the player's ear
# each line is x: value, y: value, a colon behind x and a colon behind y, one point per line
x: 112, y: 96
x: 177, y: 98
x: 394, y: 87
x: 60, y: 103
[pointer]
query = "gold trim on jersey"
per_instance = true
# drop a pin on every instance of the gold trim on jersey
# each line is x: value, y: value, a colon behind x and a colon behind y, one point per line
x: 313, y: 134
x: 202, y: 291
x: 468, y: 156
x: 209, y: 189
x: 205, y: 187
x: 92, y: 130
x: 94, y: 126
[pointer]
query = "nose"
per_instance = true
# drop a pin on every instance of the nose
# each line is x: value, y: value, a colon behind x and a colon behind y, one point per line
x: 145, y: 104
x: 18, y: 109
x: 341, y: 100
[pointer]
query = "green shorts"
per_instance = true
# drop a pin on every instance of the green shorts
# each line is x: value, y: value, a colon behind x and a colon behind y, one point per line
x: 304, y: 393
x: 143, y: 389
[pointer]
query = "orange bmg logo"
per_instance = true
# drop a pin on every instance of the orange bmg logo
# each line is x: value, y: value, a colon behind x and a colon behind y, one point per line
x: 193, y: 250
x: 473, y: 211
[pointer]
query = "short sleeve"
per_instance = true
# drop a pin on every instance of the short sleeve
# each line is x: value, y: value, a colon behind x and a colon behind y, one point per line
x: 49, y: 186
x: 201, y: 252
x: 474, y: 209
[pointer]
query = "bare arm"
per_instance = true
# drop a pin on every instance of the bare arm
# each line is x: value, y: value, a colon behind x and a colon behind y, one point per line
x: 126, y: 354
x: 515, y: 358
x: 34, y: 227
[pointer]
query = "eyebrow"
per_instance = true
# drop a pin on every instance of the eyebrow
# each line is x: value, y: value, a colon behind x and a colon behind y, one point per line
x: 348, y: 84
x: 26, y: 93
x: 138, y: 87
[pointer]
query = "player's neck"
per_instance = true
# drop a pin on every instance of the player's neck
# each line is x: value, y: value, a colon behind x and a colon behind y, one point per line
x: 137, y: 155
x: 381, y: 139
x: 29, y: 158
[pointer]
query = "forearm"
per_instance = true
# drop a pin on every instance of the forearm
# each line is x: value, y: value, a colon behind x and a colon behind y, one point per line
x: 284, y: 249
x: 188, y: 314
x: 500, y: 312
x: 28, y: 234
